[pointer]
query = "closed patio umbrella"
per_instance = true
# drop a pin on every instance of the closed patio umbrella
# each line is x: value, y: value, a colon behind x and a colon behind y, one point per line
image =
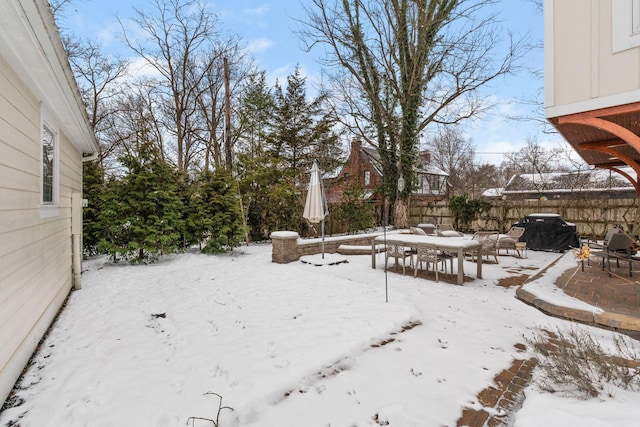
x: 315, y: 209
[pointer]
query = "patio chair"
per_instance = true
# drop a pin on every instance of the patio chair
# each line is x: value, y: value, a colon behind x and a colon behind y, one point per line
x: 428, y: 228
x: 508, y: 241
x: 418, y: 231
x: 619, y: 246
x: 594, y: 244
x: 489, y: 240
x: 397, y: 252
x: 431, y: 256
x: 445, y: 227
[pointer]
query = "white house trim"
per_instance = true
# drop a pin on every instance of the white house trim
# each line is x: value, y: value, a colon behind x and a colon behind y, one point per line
x: 549, y: 79
x: 625, y: 19
x: 43, y: 65
x: 593, y: 104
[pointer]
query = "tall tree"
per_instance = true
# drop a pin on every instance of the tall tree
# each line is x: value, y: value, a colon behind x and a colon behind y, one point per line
x: 256, y: 109
x: 451, y: 152
x: 211, y: 102
x: 213, y: 213
x: 302, y: 130
x: 410, y: 64
x: 176, y: 32
x: 142, y: 214
x: 535, y: 160
x: 101, y: 79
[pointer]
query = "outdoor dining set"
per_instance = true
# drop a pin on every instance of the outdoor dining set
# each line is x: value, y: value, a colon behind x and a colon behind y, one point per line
x: 433, y: 246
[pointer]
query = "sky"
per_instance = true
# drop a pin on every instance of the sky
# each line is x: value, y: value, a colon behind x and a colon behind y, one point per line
x: 268, y: 30
x: 288, y: 345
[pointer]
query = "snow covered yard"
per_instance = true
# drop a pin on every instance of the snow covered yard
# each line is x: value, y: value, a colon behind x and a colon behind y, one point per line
x: 289, y: 345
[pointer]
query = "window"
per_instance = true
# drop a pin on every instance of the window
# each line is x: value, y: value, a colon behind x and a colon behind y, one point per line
x: 429, y: 184
x: 367, y: 178
x: 50, y: 163
x: 635, y: 17
x: 625, y: 23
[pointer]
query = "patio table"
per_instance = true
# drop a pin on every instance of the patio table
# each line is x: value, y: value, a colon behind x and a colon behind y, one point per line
x: 459, y: 245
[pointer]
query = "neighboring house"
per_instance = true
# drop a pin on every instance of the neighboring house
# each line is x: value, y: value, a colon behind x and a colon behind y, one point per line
x: 591, y: 184
x: 363, y: 166
x: 592, y: 80
x: 493, y: 193
x: 44, y: 133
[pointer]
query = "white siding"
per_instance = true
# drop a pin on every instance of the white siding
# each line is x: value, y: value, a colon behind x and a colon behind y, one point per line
x: 35, y: 253
x: 582, y: 70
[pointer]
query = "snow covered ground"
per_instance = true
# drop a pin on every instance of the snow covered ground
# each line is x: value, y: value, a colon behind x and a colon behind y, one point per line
x: 290, y: 345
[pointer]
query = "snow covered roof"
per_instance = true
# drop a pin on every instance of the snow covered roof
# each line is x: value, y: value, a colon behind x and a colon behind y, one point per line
x: 586, y: 180
x: 421, y: 167
x: 493, y: 192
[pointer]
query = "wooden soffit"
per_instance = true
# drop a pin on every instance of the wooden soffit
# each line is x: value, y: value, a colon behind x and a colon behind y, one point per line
x: 607, y: 138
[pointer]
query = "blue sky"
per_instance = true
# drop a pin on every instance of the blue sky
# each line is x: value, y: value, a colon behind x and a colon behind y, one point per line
x: 267, y: 29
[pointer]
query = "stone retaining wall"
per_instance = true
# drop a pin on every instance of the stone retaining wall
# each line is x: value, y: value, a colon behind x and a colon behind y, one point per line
x: 288, y: 247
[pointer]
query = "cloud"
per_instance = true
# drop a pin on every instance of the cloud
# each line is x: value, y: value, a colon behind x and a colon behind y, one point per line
x: 256, y: 11
x: 259, y: 44
x: 140, y: 68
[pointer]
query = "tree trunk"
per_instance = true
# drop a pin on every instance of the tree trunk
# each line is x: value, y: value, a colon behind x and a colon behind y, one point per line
x: 227, y: 118
x: 401, y: 213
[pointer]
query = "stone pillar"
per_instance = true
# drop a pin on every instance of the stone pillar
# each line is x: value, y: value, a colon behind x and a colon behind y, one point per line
x: 285, y: 247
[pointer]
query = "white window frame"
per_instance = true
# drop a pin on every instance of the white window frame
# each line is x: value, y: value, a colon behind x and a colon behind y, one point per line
x: 625, y: 24
x: 635, y: 17
x: 48, y: 125
x: 367, y: 178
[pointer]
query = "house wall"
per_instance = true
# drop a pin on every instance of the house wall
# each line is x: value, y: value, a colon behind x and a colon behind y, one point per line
x: 583, y: 70
x: 355, y: 167
x: 35, y: 252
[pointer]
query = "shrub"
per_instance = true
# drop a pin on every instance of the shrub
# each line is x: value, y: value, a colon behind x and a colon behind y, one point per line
x: 574, y: 362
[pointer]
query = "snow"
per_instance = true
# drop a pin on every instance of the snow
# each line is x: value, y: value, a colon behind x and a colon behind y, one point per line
x: 285, y: 235
x: 545, y: 289
x: 290, y: 345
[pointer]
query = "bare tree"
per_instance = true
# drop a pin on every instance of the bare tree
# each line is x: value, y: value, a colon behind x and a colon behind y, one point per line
x: 453, y: 154
x: 410, y: 64
x: 531, y: 166
x: 59, y: 6
x: 138, y: 113
x: 211, y: 99
x: 101, y: 80
x: 177, y: 31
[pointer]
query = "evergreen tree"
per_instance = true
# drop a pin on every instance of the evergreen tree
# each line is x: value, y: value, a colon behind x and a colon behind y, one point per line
x: 255, y: 112
x: 354, y: 212
x: 110, y: 220
x: 214, y: 214
x: 303, y: 131
x: 272, y: 201
x: 465, y: 210
x: 142, y: 215
x: 92, y: 187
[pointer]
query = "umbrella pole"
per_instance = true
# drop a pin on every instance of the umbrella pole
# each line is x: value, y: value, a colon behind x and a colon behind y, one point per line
x: 323, y: 239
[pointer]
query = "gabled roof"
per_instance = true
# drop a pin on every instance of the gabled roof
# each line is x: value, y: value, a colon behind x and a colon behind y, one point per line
x: 374, y: 158
x: 31, y: 45
x: 422, y: 167
x: 576, y: 181
x: 493, y: 192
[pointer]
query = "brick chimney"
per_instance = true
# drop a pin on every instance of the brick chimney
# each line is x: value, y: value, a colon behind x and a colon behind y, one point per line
x: 356, y: 145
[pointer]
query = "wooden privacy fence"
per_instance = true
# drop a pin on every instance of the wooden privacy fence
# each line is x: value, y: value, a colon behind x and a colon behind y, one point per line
x: 592, y: 217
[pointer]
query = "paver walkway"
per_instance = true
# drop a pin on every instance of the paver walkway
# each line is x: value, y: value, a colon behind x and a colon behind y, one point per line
x: 616, y: 294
